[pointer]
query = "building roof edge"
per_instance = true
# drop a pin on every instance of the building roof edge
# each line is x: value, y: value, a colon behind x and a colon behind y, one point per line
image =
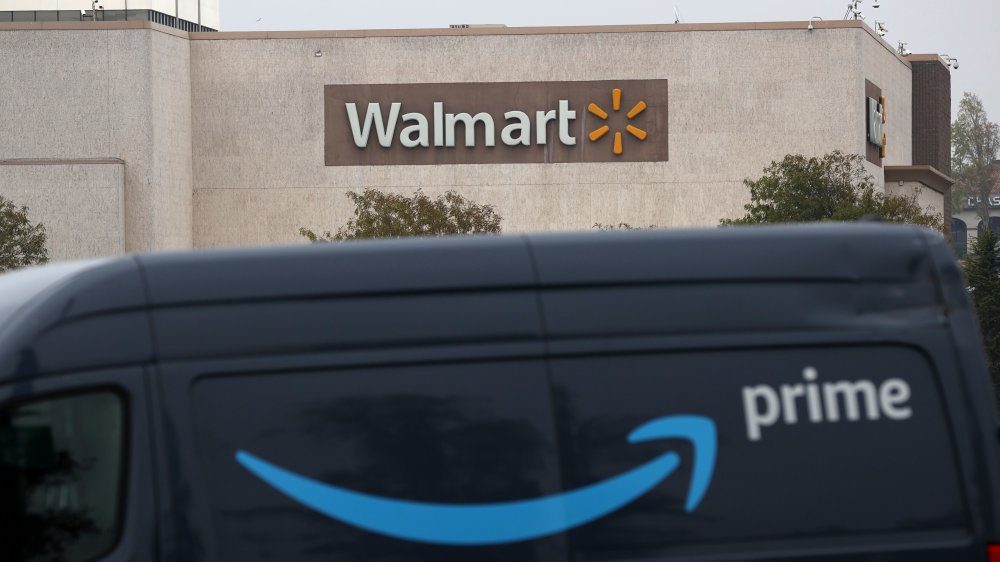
x: 927, y: 175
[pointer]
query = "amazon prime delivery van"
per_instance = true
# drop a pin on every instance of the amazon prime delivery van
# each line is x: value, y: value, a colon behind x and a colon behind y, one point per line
x: 790, y: 393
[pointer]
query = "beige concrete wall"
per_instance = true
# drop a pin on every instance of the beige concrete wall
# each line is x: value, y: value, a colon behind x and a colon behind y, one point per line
x: 82, y: 205
x: 223, y: 139
x: 82, y: 94
x: 107, y: 93
x: 929, y: 200
x: 170, y: 122
x: 879, y: 65
x: 738, y: 99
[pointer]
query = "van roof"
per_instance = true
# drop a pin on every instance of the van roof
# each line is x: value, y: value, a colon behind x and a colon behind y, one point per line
x: 815, y: 252
x: 37, y: 299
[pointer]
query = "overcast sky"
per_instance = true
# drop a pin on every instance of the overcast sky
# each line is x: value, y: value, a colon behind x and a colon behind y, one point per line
x: 966, y: 29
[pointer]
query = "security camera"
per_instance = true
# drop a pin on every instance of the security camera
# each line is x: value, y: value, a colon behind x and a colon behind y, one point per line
x: 955, y: 64
x: 875, y: 4
x: 83, y: 12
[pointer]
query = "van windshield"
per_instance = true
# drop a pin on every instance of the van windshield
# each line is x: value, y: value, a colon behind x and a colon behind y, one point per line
x: 20, y: 287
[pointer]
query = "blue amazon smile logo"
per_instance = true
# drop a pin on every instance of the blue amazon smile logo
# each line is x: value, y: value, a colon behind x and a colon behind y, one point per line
x: 505, y: 522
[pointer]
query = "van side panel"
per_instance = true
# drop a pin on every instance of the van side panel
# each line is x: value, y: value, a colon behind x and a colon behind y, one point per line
x: 979, y: 396
x: 439, y: 397
x: 459, y: 435
x: 828, y: 443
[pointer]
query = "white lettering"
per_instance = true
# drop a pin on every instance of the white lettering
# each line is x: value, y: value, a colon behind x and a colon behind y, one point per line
x: 895, y: 392
x: 415, y: 128
x: 565, y: 116
x: 542, y: 119
x: 374, y: 114
x: 788, y: 395
x: 756, y: 419
x: 815, y: 411
x: 420, y: 128
x: 850, y: 392
x: 470, y: 128
x: 522, y: 128
x: 874, y: 122
x: 439, y: 124
x: 764, y: 406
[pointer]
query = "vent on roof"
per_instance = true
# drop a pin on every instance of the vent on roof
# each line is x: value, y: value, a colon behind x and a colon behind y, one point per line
x: 475, y: 25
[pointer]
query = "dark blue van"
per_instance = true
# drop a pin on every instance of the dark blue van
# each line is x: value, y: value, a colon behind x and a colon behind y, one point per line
x: 790, y: 393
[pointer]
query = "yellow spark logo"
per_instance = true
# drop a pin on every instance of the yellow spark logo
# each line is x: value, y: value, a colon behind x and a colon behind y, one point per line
x: 616, y: 104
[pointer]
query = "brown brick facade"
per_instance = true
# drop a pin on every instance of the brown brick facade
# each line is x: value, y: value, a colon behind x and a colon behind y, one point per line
x: 932, y: 122
x: 932, y: 115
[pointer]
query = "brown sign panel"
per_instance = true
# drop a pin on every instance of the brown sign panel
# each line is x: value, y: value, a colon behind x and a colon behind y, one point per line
x: 525, y: 122
x: 873, y: 153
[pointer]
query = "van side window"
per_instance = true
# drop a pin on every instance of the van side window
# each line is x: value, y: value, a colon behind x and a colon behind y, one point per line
x: 60, y: 477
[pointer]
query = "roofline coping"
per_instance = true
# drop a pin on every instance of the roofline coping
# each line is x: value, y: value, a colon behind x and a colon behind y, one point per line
x: 927, y: 175
x: 928, y: 57
x: 58, y: 161
x: 444, y: 31
x: 458, y: 32
x: 91, y: 26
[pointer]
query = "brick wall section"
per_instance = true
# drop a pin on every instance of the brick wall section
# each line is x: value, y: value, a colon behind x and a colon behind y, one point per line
x: 931, y: 114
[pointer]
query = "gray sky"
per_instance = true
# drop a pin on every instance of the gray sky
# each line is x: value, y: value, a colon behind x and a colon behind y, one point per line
x: 966, y: 29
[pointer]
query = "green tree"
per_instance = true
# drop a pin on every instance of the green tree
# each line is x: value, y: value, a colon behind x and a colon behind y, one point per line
x: 984, y: 284
x: 836, y: 187
x: 975, y: 143
x: 21, y: 242
x: 389, y: 215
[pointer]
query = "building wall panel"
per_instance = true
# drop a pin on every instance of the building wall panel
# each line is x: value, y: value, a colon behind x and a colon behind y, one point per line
x: 81, y: 205
x: 738, y: 99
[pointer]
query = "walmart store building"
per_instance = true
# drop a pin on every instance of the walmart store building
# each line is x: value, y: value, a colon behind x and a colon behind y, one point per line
x: 129, y: 135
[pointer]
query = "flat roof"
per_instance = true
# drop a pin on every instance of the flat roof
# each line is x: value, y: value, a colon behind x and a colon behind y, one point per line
x: 469, y: 31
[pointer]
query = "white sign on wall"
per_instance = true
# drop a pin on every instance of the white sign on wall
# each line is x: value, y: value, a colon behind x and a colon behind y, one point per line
x: 875, y: 122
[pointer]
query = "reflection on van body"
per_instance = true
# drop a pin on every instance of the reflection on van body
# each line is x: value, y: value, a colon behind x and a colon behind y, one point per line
x: 787, y: 393
x: 60, y: 464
